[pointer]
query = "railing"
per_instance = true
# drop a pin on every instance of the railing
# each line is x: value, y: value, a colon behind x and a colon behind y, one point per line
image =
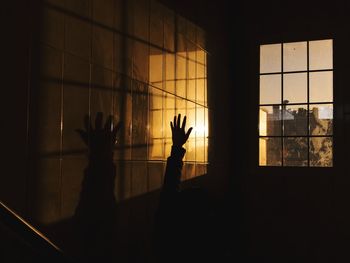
x: 25, y: 235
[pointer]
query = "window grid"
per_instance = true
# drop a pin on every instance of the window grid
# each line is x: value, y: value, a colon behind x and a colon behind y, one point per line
x: 309, y: 136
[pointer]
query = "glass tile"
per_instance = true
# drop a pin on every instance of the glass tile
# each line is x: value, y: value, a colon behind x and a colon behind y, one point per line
x: 295, y: 151
x: 321, y: 54
x: 321, y: 86
x: 270, y: 151
x: 321, y: 151
x: 155, y: 66
x: 294, y: 56
x: 270, y: 58
x: 295, y: 87
x: 156, y: 149
x: 321, y: 119
x: 294, y: 120
x: 270, y: 89
x: 270, y: 120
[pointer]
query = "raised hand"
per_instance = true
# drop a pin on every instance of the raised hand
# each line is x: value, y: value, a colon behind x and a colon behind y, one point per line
x: 101, y: 139
x: 178, y: 133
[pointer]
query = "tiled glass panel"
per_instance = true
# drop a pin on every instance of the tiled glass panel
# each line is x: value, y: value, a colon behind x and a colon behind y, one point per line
x: 201, y: 56
x: 139, y: 120
x: 200, y: 129
x: 321, y: 119
x: 181, y: 88
x: 169, y: 29
x: 200, y: 149
x: 156, y: 149
x: 169, y: 66
x: 169, y: 113
x: 191, y: 90
x: 295, y: 151
x: 181, y: 68
x: 321, y: 151
x: 200, y: 91
x: 156, y: 24
x: 156, y: 67
x: 102, y: 47
x: 180, y: 105
x: 270, y: 89
x: 190, y: 147
x: 191, y: 118
x: 101, y: 91
x: 140, y: 63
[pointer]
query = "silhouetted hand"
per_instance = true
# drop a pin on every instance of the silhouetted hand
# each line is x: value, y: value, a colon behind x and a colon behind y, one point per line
x: 102, y: 139
x: 178, y: 133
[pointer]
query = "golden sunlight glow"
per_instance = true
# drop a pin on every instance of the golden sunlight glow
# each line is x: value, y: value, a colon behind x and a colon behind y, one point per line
x: 181, y: 91
x: 262, y: 122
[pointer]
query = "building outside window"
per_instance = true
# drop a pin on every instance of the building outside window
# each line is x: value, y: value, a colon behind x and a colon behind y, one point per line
x: 296, y: 104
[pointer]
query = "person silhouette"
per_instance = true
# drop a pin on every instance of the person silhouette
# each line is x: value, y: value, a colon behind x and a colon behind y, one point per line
x: 184, y: 223
x: 96, y: 213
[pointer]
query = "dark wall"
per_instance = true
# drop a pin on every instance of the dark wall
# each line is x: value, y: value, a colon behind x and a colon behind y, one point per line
x: 17, y: 23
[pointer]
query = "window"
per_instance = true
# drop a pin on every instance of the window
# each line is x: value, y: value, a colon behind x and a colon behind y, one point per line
x: 296, y: 104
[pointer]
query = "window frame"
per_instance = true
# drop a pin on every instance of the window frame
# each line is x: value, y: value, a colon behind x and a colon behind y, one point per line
x: 307, y: 104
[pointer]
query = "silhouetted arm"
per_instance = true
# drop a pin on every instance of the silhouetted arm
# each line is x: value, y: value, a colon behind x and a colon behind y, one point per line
x: 174, y: 165
x: 97, y: 193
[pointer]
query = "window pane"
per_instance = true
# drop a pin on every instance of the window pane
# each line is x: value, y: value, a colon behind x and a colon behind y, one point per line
x: 270, y: 153
x: 156, y: 149
x: 295, y: 151
x: 180, y: 67
x: 295, y: 120
x: 156, y: 117
x: 321, y: 54
x: 155, y: 67
x: 321, y: 86
x: 270, y: 89
x: 270, y: 58
x: 169, y: 67
x: 321, y: 119
x: 321, y: 151
x: 270, y: 121
x: 295, y: 87
x: 294, y: 56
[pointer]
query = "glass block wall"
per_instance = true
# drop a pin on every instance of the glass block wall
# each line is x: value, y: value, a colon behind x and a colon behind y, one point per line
x: 134, y: 59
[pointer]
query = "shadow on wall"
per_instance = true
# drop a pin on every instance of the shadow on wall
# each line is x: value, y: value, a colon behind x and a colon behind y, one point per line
x: 137, y: 61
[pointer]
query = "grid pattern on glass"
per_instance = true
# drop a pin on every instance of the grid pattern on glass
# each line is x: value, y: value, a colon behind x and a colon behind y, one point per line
x: 136, y: 60
x: 178, y: 86
x: 296, y: 104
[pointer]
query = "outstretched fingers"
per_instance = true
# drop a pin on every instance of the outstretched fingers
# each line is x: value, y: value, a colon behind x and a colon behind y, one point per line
x: 188, y: 133
x: 178, y: 121
x: 184, y: 123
